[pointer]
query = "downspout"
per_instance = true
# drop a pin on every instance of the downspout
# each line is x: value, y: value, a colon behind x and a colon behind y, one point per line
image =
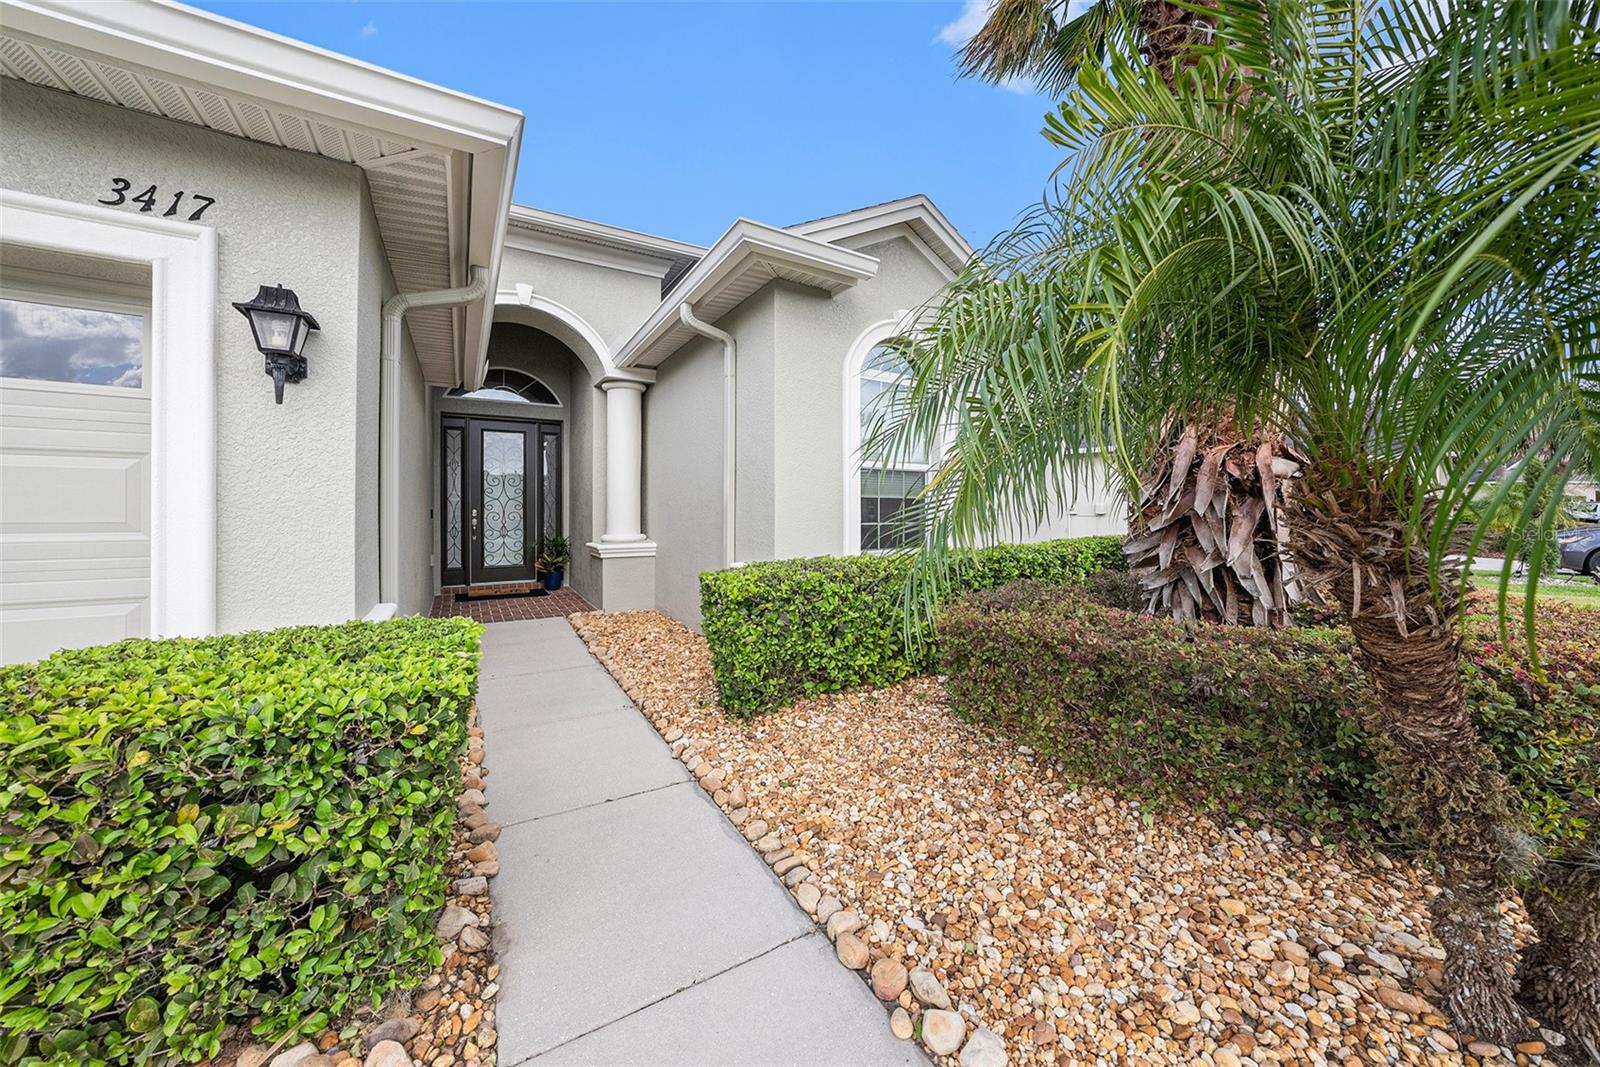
x: 730, y: 437
x: 394, y: 313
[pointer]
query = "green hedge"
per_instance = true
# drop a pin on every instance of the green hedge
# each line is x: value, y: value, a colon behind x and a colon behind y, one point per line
x: 1237, y: 720
x: 795, y: 628
x: 198, y: 832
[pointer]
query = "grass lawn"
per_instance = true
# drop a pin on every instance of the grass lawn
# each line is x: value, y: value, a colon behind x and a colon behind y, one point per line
x: 1584, y: 591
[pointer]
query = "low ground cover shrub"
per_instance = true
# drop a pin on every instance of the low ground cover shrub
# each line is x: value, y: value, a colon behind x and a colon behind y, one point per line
x: 201, y: 831
x: 1543, y: 723
x: 793, y: 628
x: 1237, y: 720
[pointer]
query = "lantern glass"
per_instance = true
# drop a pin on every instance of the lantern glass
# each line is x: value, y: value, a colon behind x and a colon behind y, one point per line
x: 275, y: 331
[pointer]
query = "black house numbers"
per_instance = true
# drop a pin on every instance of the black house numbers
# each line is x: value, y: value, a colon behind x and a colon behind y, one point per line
x: 150, y: 199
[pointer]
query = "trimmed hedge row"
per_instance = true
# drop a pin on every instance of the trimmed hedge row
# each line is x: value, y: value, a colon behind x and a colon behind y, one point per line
x: 1237, y: 720
x: 197, y: 832
x: 794, y: 628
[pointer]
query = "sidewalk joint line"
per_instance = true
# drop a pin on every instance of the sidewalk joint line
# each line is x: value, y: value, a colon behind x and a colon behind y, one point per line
x: 667, y: 996
x: 596, y: 804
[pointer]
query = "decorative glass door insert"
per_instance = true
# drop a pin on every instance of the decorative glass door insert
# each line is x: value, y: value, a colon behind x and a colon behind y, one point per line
x: 505, y: 525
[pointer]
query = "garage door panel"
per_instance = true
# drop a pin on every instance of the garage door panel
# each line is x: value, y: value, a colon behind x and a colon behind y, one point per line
x: 45, y: 589
x: 74, y: 494
x: 31, y: 631
x: 83, y: 550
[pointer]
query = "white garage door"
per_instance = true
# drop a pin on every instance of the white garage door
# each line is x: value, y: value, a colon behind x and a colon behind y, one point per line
x: 74, y: 463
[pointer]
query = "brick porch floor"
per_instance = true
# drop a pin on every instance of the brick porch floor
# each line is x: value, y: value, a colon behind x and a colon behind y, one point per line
x: 510, y: 608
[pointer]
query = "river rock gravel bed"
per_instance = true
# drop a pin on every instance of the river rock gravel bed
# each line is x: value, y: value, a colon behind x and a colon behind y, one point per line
x: 1062, y: 923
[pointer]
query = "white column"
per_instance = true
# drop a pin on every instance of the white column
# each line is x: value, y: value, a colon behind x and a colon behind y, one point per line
x: 624, y: 460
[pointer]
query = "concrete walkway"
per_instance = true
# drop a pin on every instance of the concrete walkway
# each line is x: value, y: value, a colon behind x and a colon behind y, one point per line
x: 634, y: 924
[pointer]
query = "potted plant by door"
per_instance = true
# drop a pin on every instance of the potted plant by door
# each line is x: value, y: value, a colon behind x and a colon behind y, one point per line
x: 553, y: 561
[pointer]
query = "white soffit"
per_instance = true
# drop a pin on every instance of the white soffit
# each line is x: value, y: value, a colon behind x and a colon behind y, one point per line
x: 439, y: 164
x: 745, y: 258
x: 915, y: 212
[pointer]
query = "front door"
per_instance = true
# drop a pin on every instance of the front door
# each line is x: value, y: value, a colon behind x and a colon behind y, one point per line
x: 501, y: 498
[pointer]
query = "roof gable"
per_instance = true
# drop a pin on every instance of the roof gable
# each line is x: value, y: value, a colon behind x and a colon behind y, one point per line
x: 745, y: 258
x: 916, y: 213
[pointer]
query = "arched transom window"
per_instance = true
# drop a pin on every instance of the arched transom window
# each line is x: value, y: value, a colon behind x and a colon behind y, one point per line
x: 886, y: 483
x: 508, y: 383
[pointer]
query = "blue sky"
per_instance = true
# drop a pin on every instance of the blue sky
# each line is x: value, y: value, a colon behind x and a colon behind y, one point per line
x: 674, y: 118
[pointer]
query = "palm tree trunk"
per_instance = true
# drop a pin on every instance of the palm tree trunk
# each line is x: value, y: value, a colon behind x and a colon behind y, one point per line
x: 1205, y: 535
x: 1561, y: 973
x: 1349, y: 537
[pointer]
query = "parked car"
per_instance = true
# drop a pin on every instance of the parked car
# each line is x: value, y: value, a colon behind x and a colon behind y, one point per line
x: 1588, y: 511
x: 1580, y: 549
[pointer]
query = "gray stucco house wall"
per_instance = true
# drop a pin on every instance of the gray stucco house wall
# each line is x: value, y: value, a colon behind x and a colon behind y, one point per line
x: 385, y: 205
x: 288, y: 495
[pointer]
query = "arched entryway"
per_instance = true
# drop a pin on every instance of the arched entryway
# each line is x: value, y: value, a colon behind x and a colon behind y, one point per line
x: 504, y: 464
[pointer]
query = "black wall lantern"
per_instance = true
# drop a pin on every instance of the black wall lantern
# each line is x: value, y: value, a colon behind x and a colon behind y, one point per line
x: 281, y: 329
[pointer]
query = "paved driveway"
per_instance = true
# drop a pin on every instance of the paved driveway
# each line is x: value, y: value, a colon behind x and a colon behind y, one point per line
x: 634, y: 924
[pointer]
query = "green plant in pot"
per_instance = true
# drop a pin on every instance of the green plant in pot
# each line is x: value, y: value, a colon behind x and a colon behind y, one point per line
x: 553, y: 561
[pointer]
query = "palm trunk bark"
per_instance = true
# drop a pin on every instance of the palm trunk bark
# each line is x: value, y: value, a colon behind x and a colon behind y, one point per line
x: 1205, y: 536
x: 1349, y: 537
x: 1561, y: 972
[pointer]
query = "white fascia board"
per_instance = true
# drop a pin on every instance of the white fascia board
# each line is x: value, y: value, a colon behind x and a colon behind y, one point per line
x: 917, y: 210
x: 608, y: 256
x: 181, y: 42
x: 746, y: 246
x: 599, y: 233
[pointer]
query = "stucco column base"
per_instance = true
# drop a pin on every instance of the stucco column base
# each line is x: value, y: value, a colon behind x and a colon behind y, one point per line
x: 626, y: 575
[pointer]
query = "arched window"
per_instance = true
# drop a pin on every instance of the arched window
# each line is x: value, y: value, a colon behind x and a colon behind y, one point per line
x: 509, y: 384
x: 878, y: 487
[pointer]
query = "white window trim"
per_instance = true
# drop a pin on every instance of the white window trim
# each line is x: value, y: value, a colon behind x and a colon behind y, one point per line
x: 180, y: 374
x: 855, y: 361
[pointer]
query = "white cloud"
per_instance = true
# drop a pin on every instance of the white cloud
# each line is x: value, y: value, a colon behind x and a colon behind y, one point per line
x: 967, y: 24
x: 370, y: 29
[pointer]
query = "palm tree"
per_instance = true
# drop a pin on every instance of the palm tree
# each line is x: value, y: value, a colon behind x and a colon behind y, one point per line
x: 1378, y: 232
x: 1205, y: 531
x: 1034, y: 39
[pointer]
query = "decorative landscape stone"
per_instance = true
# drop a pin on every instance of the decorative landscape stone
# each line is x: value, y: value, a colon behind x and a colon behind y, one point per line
x: 942, y: 1031
x: 888, y: 978
x: 852, y: 951
x: 983, y: 1049
x: 966, y: 860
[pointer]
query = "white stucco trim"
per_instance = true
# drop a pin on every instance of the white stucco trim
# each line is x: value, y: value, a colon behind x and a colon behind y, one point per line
x: 912, y: 238
x: 181, y: 377
x: 855, y: 359
x: 621, y: 549
x: 918, y: 212
x: 523, y: 305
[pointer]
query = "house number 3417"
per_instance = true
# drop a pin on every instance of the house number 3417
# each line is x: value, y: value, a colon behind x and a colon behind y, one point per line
x: 149, y: 200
